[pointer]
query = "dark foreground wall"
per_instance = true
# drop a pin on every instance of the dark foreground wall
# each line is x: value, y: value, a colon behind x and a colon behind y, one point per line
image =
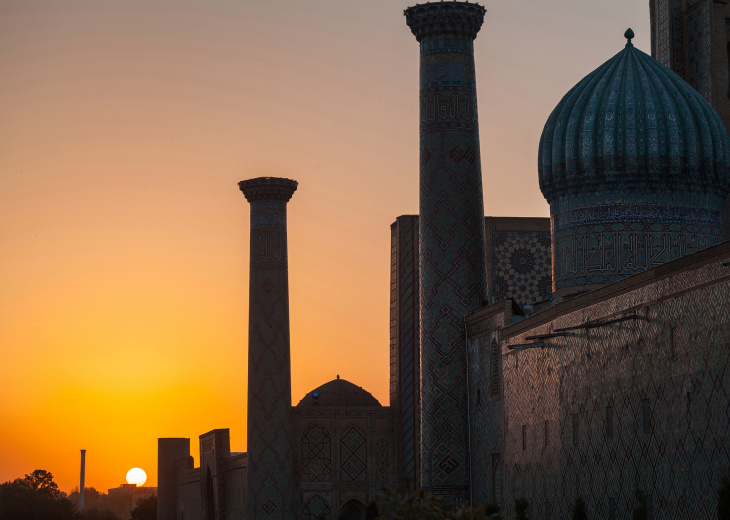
x: 606, y: 407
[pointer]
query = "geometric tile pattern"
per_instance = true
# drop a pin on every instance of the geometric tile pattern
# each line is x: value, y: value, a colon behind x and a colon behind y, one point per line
x: 521, y: 266
x: 452, y: 242
x: 315, y: 508
x: 383, y: 471
x: 485, y: 424
x: 677, y: 40
x: 633, y: 126
x: 371, y: 442
x: 353, y: 455
x: 661, y: 18
x: 404, y: 345
x: 631, y: 390
x: 316, y: 448
x: 601, y: 244
x: 699, y: 49
x: 270, y: 457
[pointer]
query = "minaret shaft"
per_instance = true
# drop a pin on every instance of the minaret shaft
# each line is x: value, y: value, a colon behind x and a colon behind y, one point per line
x: 452, y: 247
x: 270, y: 463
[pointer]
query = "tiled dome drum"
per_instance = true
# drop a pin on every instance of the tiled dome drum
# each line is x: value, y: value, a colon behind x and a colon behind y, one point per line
x: 635, y: 164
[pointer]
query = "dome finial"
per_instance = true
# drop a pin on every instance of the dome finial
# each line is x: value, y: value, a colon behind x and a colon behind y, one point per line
x: 628, y: 35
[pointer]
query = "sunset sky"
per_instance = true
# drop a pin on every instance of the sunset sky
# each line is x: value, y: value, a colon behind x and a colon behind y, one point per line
x: 125, y: 126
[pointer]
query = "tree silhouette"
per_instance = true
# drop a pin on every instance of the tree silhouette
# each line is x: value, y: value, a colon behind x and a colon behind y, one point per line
x: 146, y: 509
x: 35, y: 497
x: 43, y: 480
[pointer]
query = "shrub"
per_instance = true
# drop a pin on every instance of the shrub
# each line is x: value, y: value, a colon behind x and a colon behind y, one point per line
x: 579, y: 509
x: 522, y: 509
x: 640, y: 507
x: 723, y: 496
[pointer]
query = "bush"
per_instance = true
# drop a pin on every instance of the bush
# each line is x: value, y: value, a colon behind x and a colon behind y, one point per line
x: 522, y: 509
x: 579, y: 509
x: 146, y: 509
x: 371, y: 511
x: 419, y: 506
x: 98, y: 514
x: 640, y: 507
x: 723, y: 496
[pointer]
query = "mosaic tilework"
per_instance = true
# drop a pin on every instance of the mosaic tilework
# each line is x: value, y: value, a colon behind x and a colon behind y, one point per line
x: 602, y: 244
x: 521, y: 266
x: 452, y: 261
x: 485, y: 406
x: 315, y: 508
x: 353, y: 455
x: 316, y: 454
x: 362, y: 455
x: 270, y: 456
x: 633, y: 126
x: 677, y: 36
x: 405, y: 345
x: 661, y: 36
x: 699, y: 55
x: 383, y: 462
x: 611, y: 406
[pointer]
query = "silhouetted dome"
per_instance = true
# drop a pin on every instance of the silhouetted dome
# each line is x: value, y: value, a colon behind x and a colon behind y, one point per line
x: 633, y: 123
x: 340, y: 394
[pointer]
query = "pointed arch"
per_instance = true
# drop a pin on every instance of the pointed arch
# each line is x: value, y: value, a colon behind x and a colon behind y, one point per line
x: 353, y: 509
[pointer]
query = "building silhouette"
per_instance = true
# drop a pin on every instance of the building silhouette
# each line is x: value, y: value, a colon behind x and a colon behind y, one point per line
x: 585, y: 355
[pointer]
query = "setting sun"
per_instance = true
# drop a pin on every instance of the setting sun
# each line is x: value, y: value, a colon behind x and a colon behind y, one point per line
x: 136, y: 476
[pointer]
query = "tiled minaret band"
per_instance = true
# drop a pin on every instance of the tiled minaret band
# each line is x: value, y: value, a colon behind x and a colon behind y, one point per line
x: 452, y: 255
x: 270, y: 455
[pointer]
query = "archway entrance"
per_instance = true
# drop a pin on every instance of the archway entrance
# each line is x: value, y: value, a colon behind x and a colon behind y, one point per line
x: 353, y: 510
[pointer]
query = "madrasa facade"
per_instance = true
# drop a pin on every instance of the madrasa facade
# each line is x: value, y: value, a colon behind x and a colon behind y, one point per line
x: 585, y: 355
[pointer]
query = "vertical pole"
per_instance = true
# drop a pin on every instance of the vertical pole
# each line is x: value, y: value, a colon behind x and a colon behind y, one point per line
x: 82, y: 486
x: 452, y: 256
x: 270, y: 454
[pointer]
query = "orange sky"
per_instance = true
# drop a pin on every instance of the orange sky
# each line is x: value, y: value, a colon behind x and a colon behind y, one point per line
x: 124, y: 238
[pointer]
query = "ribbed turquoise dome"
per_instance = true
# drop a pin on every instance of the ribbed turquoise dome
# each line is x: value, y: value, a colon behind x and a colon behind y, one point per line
x: 635, y: 164
x: 635, y: 124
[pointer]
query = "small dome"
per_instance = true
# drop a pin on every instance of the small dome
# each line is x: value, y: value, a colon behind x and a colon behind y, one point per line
x: 635, y: 124
x: 338, y: 393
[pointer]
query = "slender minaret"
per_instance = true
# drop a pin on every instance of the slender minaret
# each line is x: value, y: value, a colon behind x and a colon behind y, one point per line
x: 451, y: 234
x: 83, y: 480
x: 270, y: 456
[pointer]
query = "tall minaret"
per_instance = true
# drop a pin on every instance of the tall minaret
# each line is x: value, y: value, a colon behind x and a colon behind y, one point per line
x: 452, y: 245
x: 270, y: 456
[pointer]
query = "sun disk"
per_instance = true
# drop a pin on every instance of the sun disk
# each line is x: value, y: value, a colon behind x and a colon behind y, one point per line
x: 136, y: 476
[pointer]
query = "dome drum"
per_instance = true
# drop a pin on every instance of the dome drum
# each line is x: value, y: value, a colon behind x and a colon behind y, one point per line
x: 600, y: 244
